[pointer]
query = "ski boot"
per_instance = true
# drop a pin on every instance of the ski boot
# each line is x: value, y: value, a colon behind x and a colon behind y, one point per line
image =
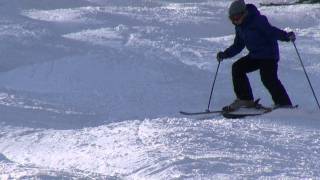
x: 238, y: 103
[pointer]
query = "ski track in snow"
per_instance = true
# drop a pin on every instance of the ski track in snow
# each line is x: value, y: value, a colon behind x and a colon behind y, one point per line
x: 91, y: 90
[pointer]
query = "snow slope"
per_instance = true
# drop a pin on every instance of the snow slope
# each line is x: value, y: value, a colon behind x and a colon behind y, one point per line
x: 91, y: 89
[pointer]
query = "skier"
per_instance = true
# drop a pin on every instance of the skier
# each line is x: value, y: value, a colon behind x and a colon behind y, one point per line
x: 254, y: 32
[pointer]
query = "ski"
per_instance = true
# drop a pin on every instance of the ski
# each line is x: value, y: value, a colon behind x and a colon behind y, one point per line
x: 200, y: 113
x: 235, y: 115
x: 240, y: 113
x: 263, y: 110
x: 277, y: 4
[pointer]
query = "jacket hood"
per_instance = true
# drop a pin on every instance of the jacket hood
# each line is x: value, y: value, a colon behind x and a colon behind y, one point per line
x: 252, y: 10
x: 252, y: 13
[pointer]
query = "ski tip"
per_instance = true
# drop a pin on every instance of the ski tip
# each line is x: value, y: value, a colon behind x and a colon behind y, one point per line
x: 183, y: 113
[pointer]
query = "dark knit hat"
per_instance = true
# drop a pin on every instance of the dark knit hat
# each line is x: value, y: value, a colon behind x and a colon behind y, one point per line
x: 237, y: 7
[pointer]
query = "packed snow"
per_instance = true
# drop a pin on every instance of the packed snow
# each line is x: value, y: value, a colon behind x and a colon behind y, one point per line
x: 92, y: 89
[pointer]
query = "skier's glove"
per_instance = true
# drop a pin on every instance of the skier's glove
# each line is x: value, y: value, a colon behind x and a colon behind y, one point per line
x: 291, y: 36
x: 221, y: 56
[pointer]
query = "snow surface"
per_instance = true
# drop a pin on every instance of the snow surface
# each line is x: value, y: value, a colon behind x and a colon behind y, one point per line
x: 91, y: 89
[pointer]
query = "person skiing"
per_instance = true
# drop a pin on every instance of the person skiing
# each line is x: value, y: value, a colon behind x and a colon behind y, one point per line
x: 253, y: 31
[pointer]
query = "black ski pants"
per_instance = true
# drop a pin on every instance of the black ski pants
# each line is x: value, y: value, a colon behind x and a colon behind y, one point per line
x: 269, y: 77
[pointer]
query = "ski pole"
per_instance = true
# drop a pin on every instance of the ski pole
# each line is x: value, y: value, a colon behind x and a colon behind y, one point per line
x: 305, y: 72
x: 214, y: 82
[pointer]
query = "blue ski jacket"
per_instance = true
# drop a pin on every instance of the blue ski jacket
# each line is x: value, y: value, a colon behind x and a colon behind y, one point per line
x: 258, y: 36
